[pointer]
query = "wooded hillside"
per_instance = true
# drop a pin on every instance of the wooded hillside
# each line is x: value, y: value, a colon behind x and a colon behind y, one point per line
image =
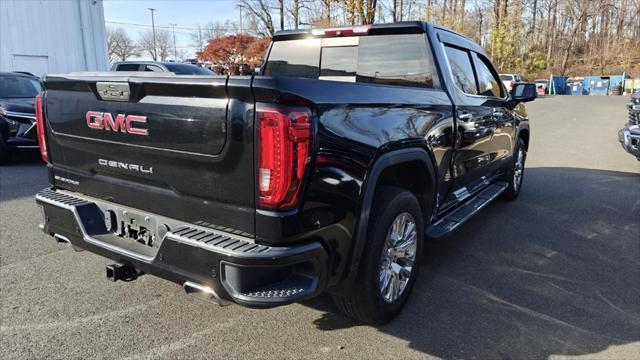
x: 532, y: 37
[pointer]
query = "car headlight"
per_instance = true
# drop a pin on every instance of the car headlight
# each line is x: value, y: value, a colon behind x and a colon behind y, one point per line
x: 13, y: 126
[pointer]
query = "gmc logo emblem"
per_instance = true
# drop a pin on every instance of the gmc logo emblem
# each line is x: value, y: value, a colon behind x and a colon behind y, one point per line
x: 123, y: 123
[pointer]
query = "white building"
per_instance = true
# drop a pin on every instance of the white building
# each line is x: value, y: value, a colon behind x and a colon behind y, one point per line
x: 52, y: 36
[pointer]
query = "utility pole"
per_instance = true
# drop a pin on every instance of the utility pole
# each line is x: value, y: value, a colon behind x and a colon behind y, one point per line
x: 153, y: 27
x: 175, y: 52
x: 240, y: 7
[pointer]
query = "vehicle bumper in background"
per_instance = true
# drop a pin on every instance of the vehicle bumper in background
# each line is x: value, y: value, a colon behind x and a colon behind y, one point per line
x: 231, y: 267
x: 629, y: 138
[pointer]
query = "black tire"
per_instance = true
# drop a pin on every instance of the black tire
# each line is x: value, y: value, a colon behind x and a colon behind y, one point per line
x: 365, y: 300
x: 515, y: 186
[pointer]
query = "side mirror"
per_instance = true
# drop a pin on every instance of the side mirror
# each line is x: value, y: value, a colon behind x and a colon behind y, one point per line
x: 524, y: 92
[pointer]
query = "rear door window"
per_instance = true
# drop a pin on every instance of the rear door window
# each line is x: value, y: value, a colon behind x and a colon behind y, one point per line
x: 461, y: 69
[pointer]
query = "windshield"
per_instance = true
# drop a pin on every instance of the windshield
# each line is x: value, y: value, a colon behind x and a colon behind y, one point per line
x: 188, y: 69
x: 18, y: 87
x: 506, y: 77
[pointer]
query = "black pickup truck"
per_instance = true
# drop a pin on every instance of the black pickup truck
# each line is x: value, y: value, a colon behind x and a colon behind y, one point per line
x: 629, y: 135
x: 326, y: 172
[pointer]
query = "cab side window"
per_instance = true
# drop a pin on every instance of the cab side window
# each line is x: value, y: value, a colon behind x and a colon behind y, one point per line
x: 461, y: 69
x: 488, y: 82
x: 128, y: 67
x: 153, y: 68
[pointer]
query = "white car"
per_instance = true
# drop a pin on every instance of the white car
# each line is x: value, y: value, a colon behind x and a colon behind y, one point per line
x: 509, y: 79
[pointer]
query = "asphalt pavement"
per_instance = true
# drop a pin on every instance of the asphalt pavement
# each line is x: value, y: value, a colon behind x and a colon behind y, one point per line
x: 554, y: 274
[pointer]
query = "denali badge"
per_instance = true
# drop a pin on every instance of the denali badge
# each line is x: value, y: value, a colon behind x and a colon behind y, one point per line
x: 126, y: 166
x: 123, y: 123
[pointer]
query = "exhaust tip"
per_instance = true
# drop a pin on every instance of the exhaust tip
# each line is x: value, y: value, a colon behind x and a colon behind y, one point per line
x: 65, y: 240
x: 62, y: 239
x: 203, y: 292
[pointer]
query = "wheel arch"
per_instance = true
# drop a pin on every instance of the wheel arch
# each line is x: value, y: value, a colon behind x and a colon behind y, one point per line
x: 524, y: 135
x: 384, y: 169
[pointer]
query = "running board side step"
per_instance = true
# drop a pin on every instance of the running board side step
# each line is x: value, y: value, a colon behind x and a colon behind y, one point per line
x: 459, y: 216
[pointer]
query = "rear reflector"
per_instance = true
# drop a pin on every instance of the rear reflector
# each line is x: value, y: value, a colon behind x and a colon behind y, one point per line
x: 342, y: 31
x: 283, y: 150
x: 42, y: 140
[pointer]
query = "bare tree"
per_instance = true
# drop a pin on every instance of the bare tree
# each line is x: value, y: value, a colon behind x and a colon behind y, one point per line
x: 294, y: 11
x: 198, y: 37
x: 216, y: 29
x: 579, y: 11
x: 161, y: 49
x: 261, y: 11
x: 120, y: 46
x: 533, y: 37
x: 211, y: 30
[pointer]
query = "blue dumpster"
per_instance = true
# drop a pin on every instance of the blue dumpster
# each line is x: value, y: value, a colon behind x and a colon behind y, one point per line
x: 575, y: 87
x: 558, y: 85
x: 599, y: 86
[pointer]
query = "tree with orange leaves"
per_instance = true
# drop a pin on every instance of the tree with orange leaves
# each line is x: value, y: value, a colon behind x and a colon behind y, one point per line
x: 234, y: 49
x: 256, y: 51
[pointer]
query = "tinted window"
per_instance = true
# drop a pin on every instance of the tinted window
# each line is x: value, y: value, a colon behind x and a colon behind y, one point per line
x: 128, y: 67
x: 294, y: 58
x: 152, y: 68
x: 188, y: 69
x: 506, y: 77
x: 461, y: 70
x: 339, y: 61
x: 488, y: 83
x: 19, y: 87
x: 382, y: 59
x: 397, y: 60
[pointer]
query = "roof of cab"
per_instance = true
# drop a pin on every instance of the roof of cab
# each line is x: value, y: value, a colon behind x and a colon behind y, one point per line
x: 405, y: 27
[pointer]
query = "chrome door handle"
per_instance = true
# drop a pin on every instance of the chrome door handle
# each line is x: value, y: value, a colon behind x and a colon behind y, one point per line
x: 465, y: 116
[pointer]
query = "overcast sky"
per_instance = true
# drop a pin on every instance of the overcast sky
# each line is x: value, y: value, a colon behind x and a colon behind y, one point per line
x: 184, y: 13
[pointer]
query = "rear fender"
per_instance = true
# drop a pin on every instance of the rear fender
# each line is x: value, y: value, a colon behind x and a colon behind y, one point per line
x: 382, y: 162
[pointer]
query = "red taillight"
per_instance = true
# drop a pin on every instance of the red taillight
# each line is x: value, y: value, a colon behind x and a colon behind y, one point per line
x: 283, y: 151
x: 42, y: 140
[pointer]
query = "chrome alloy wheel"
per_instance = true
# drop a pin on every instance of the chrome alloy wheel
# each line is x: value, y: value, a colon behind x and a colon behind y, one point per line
x: 518, y: 170
x: 398, y: 255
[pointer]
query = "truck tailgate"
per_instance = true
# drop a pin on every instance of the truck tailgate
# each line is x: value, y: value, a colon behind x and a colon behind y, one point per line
x: 176, y: 145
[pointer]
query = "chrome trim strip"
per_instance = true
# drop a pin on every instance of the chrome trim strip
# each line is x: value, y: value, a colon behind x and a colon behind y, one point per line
x: 31, y: 117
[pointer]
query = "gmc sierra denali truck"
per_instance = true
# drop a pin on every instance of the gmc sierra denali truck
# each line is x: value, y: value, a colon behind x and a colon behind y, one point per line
x: 326, y: 172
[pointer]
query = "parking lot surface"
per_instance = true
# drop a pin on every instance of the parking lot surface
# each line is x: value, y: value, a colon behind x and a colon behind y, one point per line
x: 554, y: 274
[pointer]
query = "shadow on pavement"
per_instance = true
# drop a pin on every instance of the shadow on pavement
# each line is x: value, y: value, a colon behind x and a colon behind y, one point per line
x: 555, y: 272
x: 25, y: 175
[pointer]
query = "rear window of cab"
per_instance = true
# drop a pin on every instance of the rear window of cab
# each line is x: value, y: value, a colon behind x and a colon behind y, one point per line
x: 401, y: 60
